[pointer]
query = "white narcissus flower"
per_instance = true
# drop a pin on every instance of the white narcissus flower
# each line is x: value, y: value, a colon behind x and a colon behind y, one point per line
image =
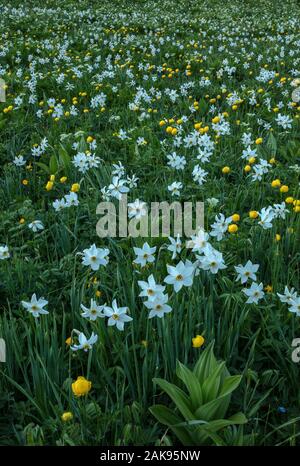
x: 175, y: 246
x: 254, y: 293
x: 199, y: 242
x: 71, y: 199
x: 59, y: 204
x: 144, y: 254
x: 175, y: 188
x: 266, y: 217
x: 212, y: 260
x: 84, y: 343
x: 220, y: 227
x: 246, y: 271
x: 295, y: 305
x: 288, y: 295
x: 150, y: 289
x: 35, y: 306
x: 137, y: 209
x: 36, y: 225
x: 118, y: 187
x: 158, y: 307
x: 117, y: 315
x: 19, y: 161
x: 92, y: 312
x: 181, y: 275
x: 4, y: 252
x: 94, y: 257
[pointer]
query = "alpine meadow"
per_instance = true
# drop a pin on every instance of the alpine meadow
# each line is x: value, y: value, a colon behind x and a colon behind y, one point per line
x: 149, y: 223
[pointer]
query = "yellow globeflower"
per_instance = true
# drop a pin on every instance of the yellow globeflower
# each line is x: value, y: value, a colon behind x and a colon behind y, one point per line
x: 284, y: 188
x: 81, y: 386
x: 75, y: 187
x: 67, y: 416
x: 289, y: 200
x: 276, y: 183
x: 198, y: 341
x: 89, y: 139
x: 232, y: 228
x: 259, y: 141
x: 216, y: 119
x: 49, y: 185
x: 253, y: 214
x: 247, y: 168
x: 225, y: 170
x: 235, y: 218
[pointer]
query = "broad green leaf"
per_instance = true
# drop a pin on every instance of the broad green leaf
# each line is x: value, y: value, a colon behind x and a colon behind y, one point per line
x: 230, y: 384
x: 211, y: 385
x: 43, y: 166
x: 53, y: 165
x: 168, y: 418
x: 192, y: 384
x: 178, y: 396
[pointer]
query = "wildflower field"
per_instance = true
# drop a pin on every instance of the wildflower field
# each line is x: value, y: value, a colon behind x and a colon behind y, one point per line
x: 142, y: 339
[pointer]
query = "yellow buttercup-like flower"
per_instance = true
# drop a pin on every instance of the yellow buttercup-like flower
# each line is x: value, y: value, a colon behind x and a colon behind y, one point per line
x: 75, y: 187
x: 225, y: 170
x: 253, y: 214
x: 67, y: 416
x: 81, y: 386
x: 198, y: 341
x: 232, y: 228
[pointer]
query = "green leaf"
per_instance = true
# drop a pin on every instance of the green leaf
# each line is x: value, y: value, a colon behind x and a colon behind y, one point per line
x: 211, y: 385
x: 168, y: 418
x: 53, y: 164
x: 230, y: 384
x: 178, y: 396
x: 64, y: 157
x: 272, y: 144
x: 192, y: 384
x: 43, y: 166
x: 205, y: 364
